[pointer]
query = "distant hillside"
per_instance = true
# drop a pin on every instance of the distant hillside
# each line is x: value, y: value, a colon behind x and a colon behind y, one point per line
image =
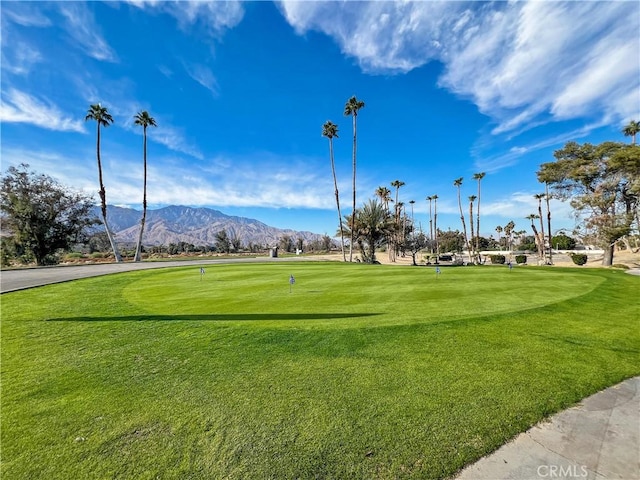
x: 197, y: 226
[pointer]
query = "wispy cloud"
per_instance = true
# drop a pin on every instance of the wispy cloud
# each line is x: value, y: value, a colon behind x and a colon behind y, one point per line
x: 518, y: 205
x: 215, y: 16
x: 20, y: 107
x: 81, y: 26
x: 20, y: 59
x: 521, y: 63
x: 204, y: 76
x: 23, y: 13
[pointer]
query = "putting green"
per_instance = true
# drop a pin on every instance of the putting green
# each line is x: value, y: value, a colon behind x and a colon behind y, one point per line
x: 349, y: 295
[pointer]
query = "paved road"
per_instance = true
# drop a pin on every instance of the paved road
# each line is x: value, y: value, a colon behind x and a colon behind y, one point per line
x: 11, y: 280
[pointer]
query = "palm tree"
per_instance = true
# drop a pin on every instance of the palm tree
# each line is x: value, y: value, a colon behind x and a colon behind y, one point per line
x: 330, y: 130
x: 384, y: 194
x: 430, y: 198
x: 547, y: 198
x: 498, y: 231
x: 631, y: 129
x: 103, y: 118
x: 372, y: 225
x: 472, y: 199
x: 144, y: 120
x: 539, y: 197
x: 532, y: 217
x: 412, y: 203
x: 435, y: 224
x: 458, y: 183
x: 351, y: 108
x: 508, y: 230
x: 393, y: 248
x: 478, y: 176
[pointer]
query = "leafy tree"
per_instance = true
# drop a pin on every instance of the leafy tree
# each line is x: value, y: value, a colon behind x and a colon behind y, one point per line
x: 103, y: 118
x: 416, y: 243
x: 631, y: 129
x: 330, y: 130
x: 42, y: 215
x: 144, y: 120
x: 223, y: 243
x: 451, y: 241
x: 601, y: 183
x: 236, y: 243
x: 286, y: 243
x: 563, y: 242
x: 351, y: 109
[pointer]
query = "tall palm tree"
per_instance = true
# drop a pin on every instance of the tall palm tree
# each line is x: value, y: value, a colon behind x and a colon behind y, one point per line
x: 392, y: 255
x: 103, y: 118
x: 412, y: 203
x: 144, y: 120
x: 351, y: 109
x: 430, y: 199
x: 330, y: 130
x: 435, y: 224
x: 458, y: 183
x: 472, y: 198
x: 631, y: 129
x: 498, y: 231
x: 548, y: 198
x: 478, y: 176
x: 539, y: 197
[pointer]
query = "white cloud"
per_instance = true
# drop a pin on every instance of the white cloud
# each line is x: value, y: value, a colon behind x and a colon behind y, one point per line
x: 216, y: 16
x: 23, y: 14
x: 20, y: 107
x: 204, y: 76
x: 81, y: 26
x: 20, y: 59
x: 521, y: 63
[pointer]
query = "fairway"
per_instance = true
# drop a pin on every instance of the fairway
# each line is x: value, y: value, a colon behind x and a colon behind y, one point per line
x: 353, y: 371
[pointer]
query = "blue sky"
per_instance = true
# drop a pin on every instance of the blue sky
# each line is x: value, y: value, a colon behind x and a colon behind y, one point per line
x: 240, y: 91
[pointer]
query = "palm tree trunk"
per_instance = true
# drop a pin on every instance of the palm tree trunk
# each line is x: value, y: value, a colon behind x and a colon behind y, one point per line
x: 138, y: 255
x: 546, y: 186
x: 464, y: 226
x: 103, y: 202
x: 542, y: 235
x: 435, y: 228
x: 478, y: 224
x: 354, y: 187
x: 335, y: 184
x: 472, y: 232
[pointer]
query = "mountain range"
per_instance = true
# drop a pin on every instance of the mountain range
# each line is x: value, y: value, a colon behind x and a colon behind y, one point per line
x: 197, y: 226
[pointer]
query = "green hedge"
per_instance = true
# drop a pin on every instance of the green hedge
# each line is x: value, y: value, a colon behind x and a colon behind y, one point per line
x: 579, y: 258
x: 521, y: 259
x: 497, y: 259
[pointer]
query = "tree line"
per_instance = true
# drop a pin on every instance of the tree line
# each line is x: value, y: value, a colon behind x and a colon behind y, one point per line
x: 601, y: 182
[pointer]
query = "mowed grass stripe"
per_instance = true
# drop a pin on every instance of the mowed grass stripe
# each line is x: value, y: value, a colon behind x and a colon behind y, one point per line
x: 131, y: 376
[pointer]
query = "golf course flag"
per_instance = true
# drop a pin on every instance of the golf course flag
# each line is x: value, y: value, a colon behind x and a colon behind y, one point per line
x: 291, y: 282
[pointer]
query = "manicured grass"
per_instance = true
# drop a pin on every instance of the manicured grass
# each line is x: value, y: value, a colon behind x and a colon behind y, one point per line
x: 360, y: 372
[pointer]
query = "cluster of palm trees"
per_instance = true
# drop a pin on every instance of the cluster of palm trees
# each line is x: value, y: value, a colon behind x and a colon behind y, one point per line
x: 473, y: 242
x: 103, y: 118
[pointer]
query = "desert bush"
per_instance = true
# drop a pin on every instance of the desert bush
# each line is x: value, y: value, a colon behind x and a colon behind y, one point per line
x: 497, y: 259
x: 521, y: 259
x: 579, y: 258
x: 73, y: 256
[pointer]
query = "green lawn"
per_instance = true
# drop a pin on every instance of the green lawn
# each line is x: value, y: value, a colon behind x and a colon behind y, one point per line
x: 361, y: 372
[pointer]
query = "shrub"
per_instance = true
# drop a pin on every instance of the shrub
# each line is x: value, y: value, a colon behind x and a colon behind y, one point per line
x: 98, y: 255
x: 521, y: 259
x: 579, y: 258
x: 446, y: 258
x: 497, y: 259
x: 621, y: 265
x: 73, y: 256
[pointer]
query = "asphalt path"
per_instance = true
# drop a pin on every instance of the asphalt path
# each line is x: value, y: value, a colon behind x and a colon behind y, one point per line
x: 12, y: 280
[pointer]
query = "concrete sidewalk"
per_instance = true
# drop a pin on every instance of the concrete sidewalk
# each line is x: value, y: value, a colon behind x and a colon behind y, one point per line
x: 598, y: 439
